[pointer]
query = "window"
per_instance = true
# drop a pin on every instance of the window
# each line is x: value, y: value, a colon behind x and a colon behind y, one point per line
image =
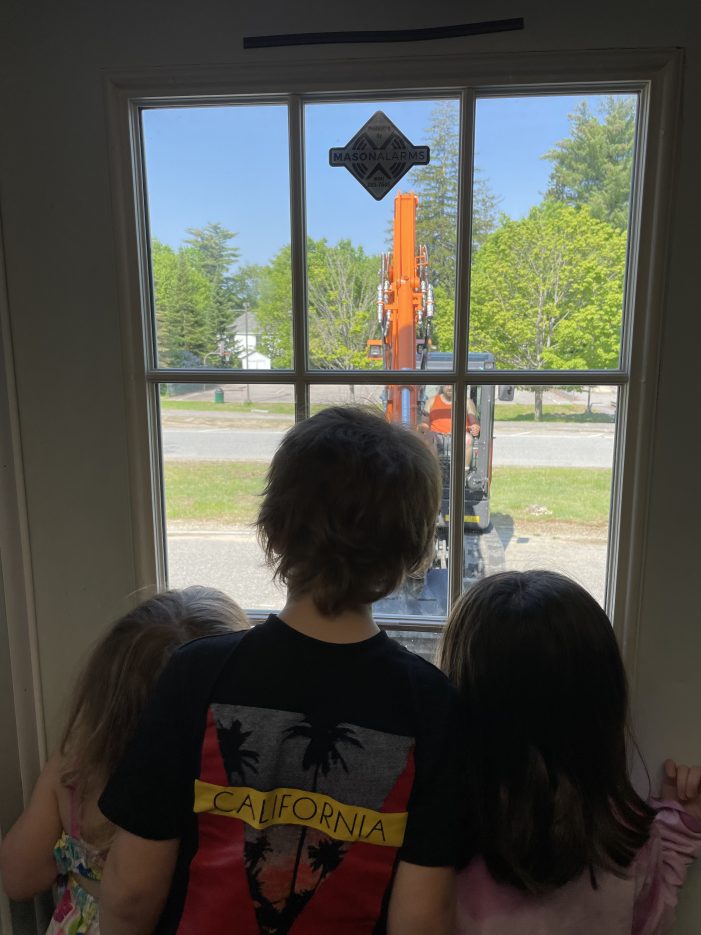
x: 263, y: 262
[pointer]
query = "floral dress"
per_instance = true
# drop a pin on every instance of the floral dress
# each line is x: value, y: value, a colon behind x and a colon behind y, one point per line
x: 76, y: 911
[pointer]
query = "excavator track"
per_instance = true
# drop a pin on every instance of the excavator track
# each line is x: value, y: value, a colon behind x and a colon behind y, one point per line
x: 483, y: 554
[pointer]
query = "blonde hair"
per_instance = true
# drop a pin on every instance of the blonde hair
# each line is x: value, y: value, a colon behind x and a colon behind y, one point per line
x: 121, y: 671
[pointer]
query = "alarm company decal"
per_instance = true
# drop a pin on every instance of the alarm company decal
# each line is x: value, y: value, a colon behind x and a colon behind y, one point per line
x: 379, y: 155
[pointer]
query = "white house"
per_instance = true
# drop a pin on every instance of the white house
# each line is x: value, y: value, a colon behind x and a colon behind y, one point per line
x: 246, y: 331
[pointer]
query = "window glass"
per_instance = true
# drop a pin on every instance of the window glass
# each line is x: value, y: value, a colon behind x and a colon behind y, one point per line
x: 550, y: 227
x: 427, y: 595
x: 218, y: 210
x: 217, y: 442
x: 551, y: 191
x: 358, y: 241
x: 538, y: 490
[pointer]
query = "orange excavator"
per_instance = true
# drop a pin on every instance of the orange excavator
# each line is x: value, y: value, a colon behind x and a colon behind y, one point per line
x: 404, y: 311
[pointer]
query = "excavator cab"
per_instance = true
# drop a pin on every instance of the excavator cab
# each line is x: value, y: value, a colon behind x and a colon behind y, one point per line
x: 478, y: 460
x: 405, y: 310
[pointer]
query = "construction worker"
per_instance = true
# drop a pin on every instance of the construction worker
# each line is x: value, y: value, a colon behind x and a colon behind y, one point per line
x: 439, y: 418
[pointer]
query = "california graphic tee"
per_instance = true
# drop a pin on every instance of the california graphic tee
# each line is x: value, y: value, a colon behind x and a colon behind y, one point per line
x: 295, y: 773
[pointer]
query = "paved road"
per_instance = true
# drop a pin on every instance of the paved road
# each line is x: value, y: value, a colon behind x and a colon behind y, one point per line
x: 557, y: 446
x: 232, y: 560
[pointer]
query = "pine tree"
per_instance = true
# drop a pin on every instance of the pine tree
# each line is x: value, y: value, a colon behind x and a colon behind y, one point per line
x: 593, y: 165
x: 183, y: 301
x: 437, y: 186
x: 213, y: 255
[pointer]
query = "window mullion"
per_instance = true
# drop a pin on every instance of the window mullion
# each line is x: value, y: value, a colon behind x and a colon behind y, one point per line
x: 462, y: 302
x: 298, y: 255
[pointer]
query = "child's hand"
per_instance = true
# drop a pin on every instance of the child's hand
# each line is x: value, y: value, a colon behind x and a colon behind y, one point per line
x: 683, y: 784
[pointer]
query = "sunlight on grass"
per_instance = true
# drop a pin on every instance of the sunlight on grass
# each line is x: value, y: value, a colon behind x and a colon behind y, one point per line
x: 540, y: 494
x: 561, y: 412
x: 227, y: 493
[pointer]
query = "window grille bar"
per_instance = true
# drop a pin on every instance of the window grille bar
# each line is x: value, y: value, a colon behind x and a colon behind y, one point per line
x: 399, y: 377
x: 298, y: 255
x: 462, y: 326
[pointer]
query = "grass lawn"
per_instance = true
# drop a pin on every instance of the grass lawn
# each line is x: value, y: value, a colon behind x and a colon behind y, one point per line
x: 222, y: 493
x: 503, y: 412
x: 578, y: 496
x: 204, y: 405
x: 226, y: 493
x: 559, y: 412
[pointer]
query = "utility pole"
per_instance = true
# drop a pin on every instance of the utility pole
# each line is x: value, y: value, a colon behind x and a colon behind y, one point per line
x: 248, y: 385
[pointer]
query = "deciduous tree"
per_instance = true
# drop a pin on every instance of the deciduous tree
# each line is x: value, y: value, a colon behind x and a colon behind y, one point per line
x: 547, y: 292
x: 341, y: 288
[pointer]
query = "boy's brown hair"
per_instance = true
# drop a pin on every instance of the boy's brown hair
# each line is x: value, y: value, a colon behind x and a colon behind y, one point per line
x: 349, y: 508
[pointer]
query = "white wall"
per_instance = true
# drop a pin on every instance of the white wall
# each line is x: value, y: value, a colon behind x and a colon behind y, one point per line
x: 60, y: 260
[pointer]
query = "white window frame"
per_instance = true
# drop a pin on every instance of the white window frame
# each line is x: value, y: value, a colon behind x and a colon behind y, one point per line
x: 654, y: 74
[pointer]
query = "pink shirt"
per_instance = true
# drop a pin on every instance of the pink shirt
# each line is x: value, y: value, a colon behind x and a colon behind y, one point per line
x: 642, y: 904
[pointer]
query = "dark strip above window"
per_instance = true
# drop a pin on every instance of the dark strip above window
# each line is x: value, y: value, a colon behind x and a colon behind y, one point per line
x: 383, y: 35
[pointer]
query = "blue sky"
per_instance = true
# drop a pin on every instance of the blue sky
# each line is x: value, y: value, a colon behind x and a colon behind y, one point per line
x: 229, y: 164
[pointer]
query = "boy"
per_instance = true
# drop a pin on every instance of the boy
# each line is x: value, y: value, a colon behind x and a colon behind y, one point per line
x: 320, y: 751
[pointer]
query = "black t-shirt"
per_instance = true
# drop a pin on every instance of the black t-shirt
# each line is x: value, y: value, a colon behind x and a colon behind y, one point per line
x: 295, y: 772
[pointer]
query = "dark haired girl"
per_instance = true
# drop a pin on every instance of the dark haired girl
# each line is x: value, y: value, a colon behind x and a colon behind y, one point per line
x: 564, y: 845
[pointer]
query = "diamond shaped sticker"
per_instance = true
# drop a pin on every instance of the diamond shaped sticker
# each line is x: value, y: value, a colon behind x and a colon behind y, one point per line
x: 379, y: 155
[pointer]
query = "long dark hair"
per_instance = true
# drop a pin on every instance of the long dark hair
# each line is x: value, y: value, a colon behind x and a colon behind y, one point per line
x: 538, y: 666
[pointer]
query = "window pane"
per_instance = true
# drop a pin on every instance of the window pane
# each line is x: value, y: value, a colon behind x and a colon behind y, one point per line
x: 357, y: 243
x: 538, y: 490
x: 218, y: 210
x: 217, y: 444
x: 550, y: 223
x: 420, y: 642
x: 428, y: 594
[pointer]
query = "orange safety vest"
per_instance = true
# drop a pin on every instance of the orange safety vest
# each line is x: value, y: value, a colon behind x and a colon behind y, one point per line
x: 440, y: 416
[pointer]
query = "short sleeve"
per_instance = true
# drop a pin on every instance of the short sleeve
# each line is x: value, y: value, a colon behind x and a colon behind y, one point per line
x: 436, y: 826
x: 151, y: 791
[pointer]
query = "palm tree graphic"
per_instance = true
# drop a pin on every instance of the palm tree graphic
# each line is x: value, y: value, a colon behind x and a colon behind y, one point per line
x: 236, y: 759
x: 325, y: 857
x: 321, y: 754
x: 256, y: 851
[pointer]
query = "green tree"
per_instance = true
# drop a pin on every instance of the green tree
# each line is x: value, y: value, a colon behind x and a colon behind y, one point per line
x: 436, y: 225
x: 341, y: 289
x: 273, y: 308
x: 443, y: 319
x: 593, y: 165
x: 183, y: 298
x: 214, y: 255
x: 547, y: 292
x: 245, y: 285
